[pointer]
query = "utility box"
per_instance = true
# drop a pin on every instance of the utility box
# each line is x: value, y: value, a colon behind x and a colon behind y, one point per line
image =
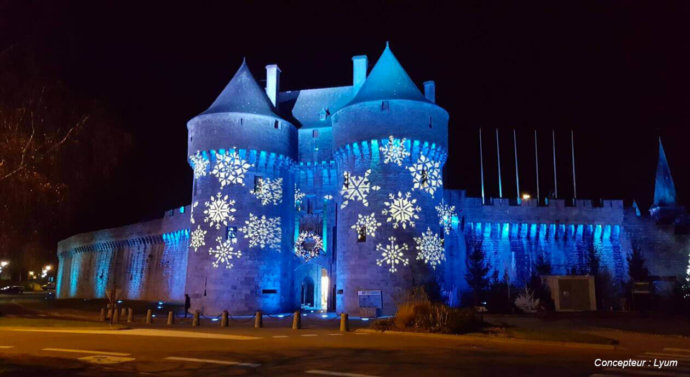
x: 572, y: 293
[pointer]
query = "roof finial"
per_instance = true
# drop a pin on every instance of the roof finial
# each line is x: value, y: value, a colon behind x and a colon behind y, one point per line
x: 387, y: 45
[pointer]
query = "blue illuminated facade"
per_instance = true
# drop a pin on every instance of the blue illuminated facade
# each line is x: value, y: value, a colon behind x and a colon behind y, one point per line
x: 333, y: 199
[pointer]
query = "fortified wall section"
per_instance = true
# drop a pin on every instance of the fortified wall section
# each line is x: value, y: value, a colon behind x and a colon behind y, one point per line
x: 143, y: 261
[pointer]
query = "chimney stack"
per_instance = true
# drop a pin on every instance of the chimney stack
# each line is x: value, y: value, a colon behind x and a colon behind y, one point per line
x: 359, y: 71
x: 430, y: 90
x: 273, y: 83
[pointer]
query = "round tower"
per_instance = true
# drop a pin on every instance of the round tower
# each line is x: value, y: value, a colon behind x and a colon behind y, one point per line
x: 241, y: 151
x: 391, y: 144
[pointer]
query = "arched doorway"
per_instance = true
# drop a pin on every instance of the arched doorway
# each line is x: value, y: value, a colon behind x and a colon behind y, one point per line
x: 307, y: 296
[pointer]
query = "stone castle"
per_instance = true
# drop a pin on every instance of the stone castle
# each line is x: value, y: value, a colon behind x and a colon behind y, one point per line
x: 333, y: 199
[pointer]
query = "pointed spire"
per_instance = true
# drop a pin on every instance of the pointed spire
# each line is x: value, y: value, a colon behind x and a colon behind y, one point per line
x: 388, y: 80
x: 664, y: 189
x: 243, y: 95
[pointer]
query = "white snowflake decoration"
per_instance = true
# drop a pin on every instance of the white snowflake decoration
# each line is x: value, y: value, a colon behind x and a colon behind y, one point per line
x: 230, y: 168
x: 426, y: 175
x: 262, y: 231
x: 269, y: 190
x: 199, y: 164
x: 392, y: 255
x: 430, y: 248
x: 445, y: 215
x: 356, y: 188
x: 308, y: 245
x: 401, y: 210
x: 369, y: 223
x: 198, y: 238
x: 191, y: 214
x: 394, y: 151
x: 299, y: 195
x: 219, y: 211
x: 224, y: 252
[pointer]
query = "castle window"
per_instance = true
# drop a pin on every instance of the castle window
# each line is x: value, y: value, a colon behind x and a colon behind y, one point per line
x: 231, y: 234
x: 362, y: 234
x: 276, y: 124
x: 346, y: 181
x: 384, y: 105
x: 258, y: 183
x: 430, y: 122
x: 315, y: 133
x: 309, y: 206
x: 425, y: 178
x: 323, y: 114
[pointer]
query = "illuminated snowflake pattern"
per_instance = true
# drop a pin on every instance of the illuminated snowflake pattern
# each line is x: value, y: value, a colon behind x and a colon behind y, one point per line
x: 369, y: 223
x: 269, y: 190
x: 199, y: 164
x: 392, y: 255
x: 197, y: 238
x: 262, y: 231
x: 401, y: 210
x: 299, y: 195
x: 230, y: 168
x: 356, y: 188
x: 219, y: 211
x: 394, y: 151
x: 445, y: 215
x: 430, y: 248
x: 308, y: 245
x: 426, y: 175
x: 191, y: 213
x: 224, y: 253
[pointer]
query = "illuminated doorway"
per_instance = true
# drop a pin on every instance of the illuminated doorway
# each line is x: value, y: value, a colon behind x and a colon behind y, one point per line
x: 307, y: 295
x: 324, y: 289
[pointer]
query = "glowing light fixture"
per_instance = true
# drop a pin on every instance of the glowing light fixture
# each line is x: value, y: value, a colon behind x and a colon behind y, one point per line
x: 526, y: 196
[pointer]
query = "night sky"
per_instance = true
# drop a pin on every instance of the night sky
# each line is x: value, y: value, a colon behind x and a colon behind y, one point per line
x: 615, y: 72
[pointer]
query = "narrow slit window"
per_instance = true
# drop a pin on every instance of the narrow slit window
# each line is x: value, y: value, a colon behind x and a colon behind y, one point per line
x: 362, y: 234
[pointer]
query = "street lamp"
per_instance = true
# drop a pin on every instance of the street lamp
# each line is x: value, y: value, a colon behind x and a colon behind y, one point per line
x: 45, y: 270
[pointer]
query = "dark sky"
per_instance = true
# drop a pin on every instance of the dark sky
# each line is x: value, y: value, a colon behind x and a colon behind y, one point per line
x: 616, y: 72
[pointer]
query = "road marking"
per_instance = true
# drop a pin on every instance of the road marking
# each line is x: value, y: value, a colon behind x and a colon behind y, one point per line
x: 103, y: 359
x: 656, y: 372
x: 335, y: 334
x: 279, y: 336
x: 85, y: 351
x: 310, y: 334
x: 676, y: 350
x: 6, y: 347
x: 209, y: 361
x: 329, y: 373
x: 146, y: 332
x: 361, y: 333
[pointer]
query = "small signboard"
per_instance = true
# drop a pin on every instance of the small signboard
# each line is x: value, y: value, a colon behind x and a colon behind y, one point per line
x: 370, y: 299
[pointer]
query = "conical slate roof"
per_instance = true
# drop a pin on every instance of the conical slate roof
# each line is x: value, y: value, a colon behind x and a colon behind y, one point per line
x: 242, y: 95
x: 388, y: 80
x: 664, y: 189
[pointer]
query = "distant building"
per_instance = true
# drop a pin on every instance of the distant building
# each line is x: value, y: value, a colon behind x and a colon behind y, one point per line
x: 333, y: 199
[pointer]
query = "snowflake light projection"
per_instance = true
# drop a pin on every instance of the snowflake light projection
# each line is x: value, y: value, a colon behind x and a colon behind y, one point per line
x: 430, y: 248
x: 308, y: 245
x: 392, y: 255
x: 262, y: 231
x: 395, y: 151
x: 230, y: 168
x: 191, y: 213
x: 299, y: 195
x: 356, y: 188
x: 426, y: 175
x: 369, y: 223
x: 268, y: 190
x: 200, y: 164
x: 224, y: 252
x: 401, y: 210
x: 219, y: 211
x: 445, y: 215
x: 197, y: 238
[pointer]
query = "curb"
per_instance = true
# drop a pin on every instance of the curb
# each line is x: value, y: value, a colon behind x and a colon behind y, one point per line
x: 479, y: 338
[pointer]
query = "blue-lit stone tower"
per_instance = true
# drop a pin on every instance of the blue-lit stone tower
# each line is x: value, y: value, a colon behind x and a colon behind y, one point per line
x: 390, y: 145
x: 240, y: 226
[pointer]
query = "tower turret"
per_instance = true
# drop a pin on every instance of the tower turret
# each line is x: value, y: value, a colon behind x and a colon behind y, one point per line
x: 390, y: 143
x: 241, y: 151
x: 664, y: 209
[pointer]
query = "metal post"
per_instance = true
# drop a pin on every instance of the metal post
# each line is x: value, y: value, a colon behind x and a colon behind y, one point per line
x: 130, y: 315
x: 572, y: 150
x: 344, y: 322
x: 536, y: 162
x: 101, y: 316
x: 498, y: 154
x: 149, y: 317
x: 115, y: 318
x: 224, y: 319
x: 517, y: 173
x: 171, y: 318
x: 195, y: 319
x: 297, y: 320
x: 258, y: 320
x: 555, y: 182
x: 481, y: 164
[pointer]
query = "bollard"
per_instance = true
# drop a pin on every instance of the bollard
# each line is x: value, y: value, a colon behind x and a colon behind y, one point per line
x: 297, y: 320
x: 130, y: 315
x: 224, y: 319
x: 149, y: 317
x: 115, y: 318
x: 344, y: 323
x: 258, y: 320
x: 101, y: 316
x: 110, y: 314
x: 171, y: 318
x: 195, y: 319
x: 123, y: 313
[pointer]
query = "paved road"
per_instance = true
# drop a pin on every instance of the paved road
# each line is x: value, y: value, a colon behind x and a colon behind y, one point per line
x: 278, y: 352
